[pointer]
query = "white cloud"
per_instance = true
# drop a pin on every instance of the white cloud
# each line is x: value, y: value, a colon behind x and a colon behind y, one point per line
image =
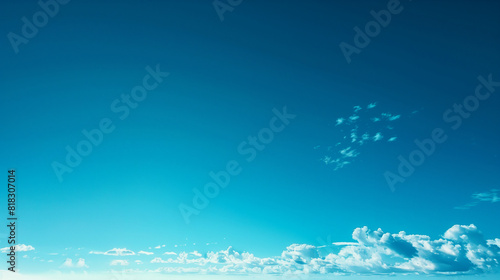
x: 491, y: 196
x: 495, y: 242
x: 339, y: 121
x: 19, y: 248
x: 349, y: 152
x: 145, y: 253
x: 378, y: 136
x: 371, y: 105
x: 390, y: 117
x: 119, y: 262
x: 80, y: 263
x: 115, y: 252
x: 345, y: 243
x: 69, y: 263
x: 353, y: 118
x: 195, y: 253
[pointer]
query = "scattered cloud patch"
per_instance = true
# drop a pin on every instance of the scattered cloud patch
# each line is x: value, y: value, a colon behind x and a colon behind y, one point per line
x: 363, y: 126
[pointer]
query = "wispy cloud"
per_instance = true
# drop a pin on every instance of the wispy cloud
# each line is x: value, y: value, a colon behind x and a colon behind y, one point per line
x: 145, y: 253
x: 115, y: 252
x: 491, y: 196
x: 340, y: 121
x: 345, y: 243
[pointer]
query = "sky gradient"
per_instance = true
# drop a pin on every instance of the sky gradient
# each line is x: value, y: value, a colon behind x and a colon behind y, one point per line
x: 236, y: 138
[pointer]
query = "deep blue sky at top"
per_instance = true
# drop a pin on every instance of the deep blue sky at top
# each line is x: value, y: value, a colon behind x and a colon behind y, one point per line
x: 226, y: 77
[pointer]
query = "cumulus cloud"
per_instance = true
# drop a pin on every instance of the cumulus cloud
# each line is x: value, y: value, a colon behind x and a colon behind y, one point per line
x: 119, y: 262
x: 460, y: 250
x: 79, y: 264
x: 195, y: 253
x: 490, y: 196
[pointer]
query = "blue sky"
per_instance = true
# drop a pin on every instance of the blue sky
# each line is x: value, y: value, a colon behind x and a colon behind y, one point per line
x: 319, y: 178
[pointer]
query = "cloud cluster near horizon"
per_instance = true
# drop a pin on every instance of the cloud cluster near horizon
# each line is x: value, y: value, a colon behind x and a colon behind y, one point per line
x: 460, y: 250
x: 364, y: 125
